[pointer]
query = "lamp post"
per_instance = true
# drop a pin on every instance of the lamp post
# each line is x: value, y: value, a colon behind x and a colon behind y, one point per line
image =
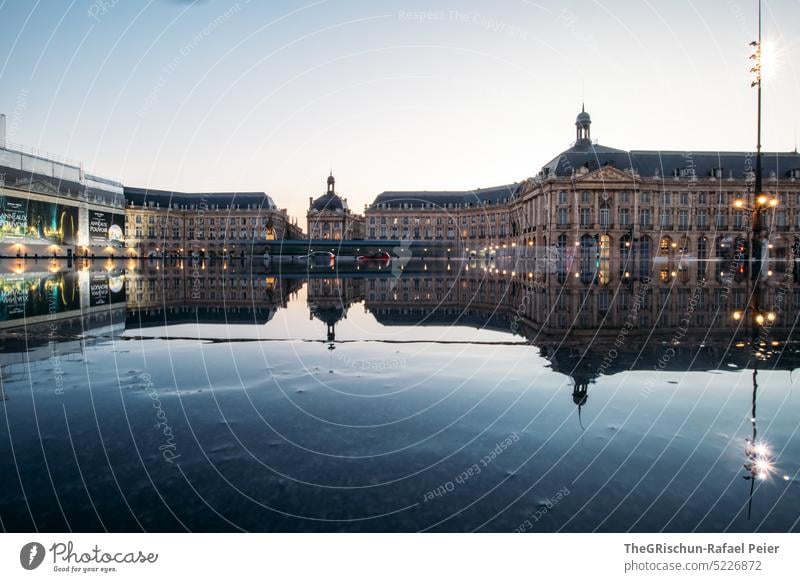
x: 758, y: 225
x: 761, y: 203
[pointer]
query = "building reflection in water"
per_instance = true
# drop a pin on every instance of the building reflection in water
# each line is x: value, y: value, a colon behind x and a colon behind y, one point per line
x: 580, y: 330
x: 583, y: 330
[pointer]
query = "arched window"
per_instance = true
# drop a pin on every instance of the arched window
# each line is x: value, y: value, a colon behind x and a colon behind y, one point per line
x: 604, y: 262
x: 561, y: 259
x: 588, y: 259
x: 645, y: 257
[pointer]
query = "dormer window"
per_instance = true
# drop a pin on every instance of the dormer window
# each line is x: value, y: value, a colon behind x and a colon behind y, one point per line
x: 717, y: 172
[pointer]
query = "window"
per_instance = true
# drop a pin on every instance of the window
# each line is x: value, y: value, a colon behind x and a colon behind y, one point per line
x: 644, y: 197
x: 666, y: 198
x: 624, y: 216
x: 585, y: 197
x: 644, y: 257
x: 666, y: 218
x: 702, y: 256
x: 562, y: 217
x: 683, y: 218
x: 605, y: 216
x: 702, y: 219
x: 562, y: 197
x: 645, y: 217
x: 585, y: 217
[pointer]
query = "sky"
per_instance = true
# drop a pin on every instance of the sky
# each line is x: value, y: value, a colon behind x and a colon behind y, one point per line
x: 226, y: 95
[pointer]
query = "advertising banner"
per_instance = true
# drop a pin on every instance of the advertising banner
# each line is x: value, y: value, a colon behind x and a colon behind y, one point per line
x: 105, y: 227
x: 34, y: 221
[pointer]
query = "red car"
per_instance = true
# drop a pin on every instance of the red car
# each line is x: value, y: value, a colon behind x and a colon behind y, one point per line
x: 381, y: 258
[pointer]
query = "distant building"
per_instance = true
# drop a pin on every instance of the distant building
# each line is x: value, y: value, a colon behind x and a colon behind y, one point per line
x: 213, y: 224
x: 475, y: 217
x: 329, y: 217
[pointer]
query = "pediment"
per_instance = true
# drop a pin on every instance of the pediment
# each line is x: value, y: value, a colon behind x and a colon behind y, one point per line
x: 38, y: 186
x: 607, y: 173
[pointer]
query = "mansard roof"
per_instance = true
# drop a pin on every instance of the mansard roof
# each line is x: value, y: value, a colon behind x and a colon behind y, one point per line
x: 223, y: 200
x: 668, y: 164
x: 446, y: 198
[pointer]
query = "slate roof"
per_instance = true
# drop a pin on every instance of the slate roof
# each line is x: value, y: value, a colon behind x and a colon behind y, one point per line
x: 328, y: 201
x: 668, y: 164
x: 447, y: 199
x: 222, y: 200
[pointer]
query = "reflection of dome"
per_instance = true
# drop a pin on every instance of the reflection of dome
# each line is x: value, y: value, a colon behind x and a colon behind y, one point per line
x: 328, y: 314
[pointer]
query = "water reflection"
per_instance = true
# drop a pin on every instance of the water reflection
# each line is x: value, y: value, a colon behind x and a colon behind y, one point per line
x: 306, y: 398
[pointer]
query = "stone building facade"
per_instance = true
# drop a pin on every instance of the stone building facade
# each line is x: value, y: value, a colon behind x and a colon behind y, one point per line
x: 329, y: 217
x: 600, y: 212
x: 169, y: 224
x: 633, y: 214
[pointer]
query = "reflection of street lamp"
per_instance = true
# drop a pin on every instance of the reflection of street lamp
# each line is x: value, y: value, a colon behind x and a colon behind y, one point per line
x: 758, y: 463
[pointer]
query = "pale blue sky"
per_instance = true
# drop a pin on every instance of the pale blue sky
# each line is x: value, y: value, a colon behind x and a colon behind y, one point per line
x: 257, y: 95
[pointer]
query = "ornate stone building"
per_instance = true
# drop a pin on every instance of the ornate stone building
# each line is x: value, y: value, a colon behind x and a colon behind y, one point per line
x: 161, y: 223
x: 477, y: 218
x: 633, y: 214
x: 597, y: 212
x: 329, y: 217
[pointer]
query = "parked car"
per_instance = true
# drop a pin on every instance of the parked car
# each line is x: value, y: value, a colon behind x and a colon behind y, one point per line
x: 319, y: 258
x: 381, y: 258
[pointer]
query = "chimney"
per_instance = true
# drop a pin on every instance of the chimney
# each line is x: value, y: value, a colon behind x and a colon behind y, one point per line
x: 2, y: 130
x: 310, y: 201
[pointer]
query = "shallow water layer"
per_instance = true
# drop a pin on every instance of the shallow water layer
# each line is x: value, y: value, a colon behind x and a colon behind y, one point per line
x: 333, y: 409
